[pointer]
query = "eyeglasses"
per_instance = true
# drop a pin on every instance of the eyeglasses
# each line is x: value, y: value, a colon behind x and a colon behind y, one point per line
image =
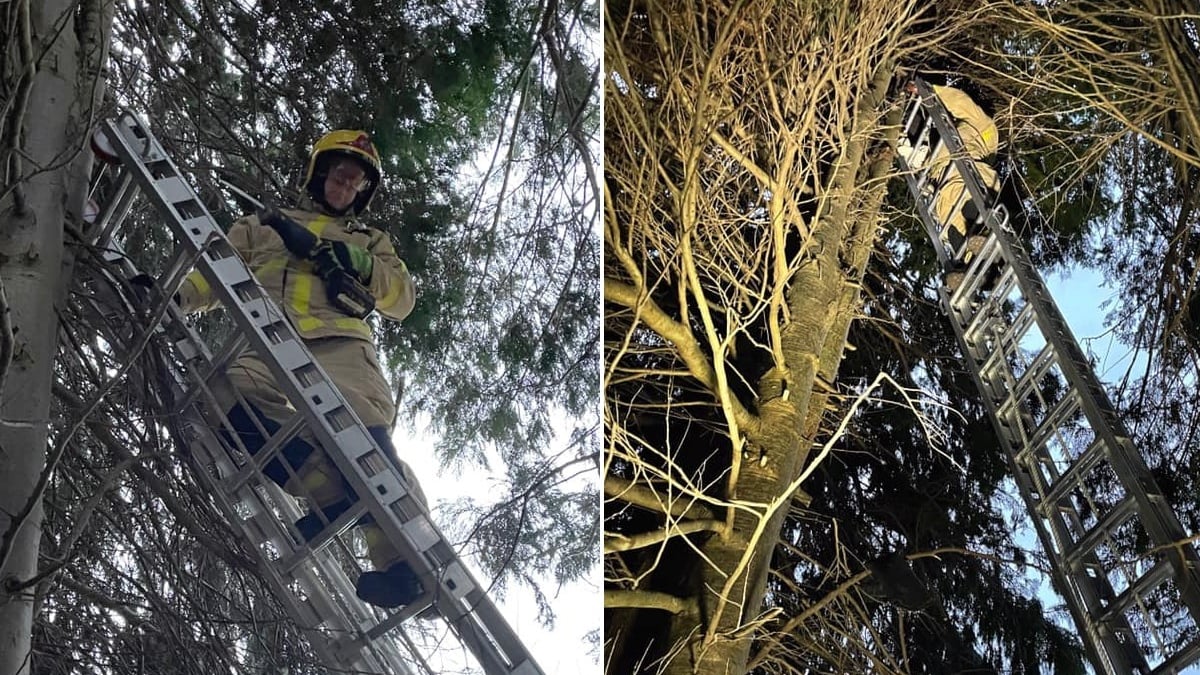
x: 350, y: 176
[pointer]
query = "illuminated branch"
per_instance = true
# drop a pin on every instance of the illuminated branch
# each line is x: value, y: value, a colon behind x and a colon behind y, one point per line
x: 621, y: 542
x: 648, y: 600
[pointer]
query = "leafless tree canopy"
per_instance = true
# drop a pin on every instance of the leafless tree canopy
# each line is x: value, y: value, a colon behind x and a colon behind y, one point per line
x: 746, y: 161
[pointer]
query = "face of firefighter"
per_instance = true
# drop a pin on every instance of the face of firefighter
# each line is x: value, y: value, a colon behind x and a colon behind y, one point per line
x: 343, y: 183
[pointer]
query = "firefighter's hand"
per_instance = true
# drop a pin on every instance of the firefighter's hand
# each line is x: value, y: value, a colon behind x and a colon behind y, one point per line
x: 296, y: 238
x: 348, y: 295
x: 910, y: 88
x: 147, y: 291
x: 345, y: 290
x: 354, y: 259
x: 342, y: 285
x: 269, y: 215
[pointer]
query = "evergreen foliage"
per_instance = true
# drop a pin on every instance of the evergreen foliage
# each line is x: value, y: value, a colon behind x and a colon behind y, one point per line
x: 487, y: 120
x: 907, y: 551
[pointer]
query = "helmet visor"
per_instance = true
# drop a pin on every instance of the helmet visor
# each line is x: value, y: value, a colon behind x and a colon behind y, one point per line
x: 350, y: 173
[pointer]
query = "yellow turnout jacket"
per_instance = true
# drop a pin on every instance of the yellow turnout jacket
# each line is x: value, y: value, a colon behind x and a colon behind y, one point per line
x: 293, y: 285
x: 978, y: 131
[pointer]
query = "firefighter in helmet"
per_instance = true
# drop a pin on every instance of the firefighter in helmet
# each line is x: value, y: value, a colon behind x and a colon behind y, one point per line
x: 953, y: 207
x: 952, y: 204
x: 312, y: 282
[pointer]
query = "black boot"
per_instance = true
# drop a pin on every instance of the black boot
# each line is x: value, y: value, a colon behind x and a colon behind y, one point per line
x: 396, y: 587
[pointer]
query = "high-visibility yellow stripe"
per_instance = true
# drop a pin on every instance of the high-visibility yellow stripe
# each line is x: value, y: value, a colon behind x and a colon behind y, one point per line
x: 308, y: 323
x: 302, y: 288
x: 302, y: 302
x: 356, y: 325
x: 393, y: 294
x: 302, y: 294
x: 203, y: 289
x: 271, y: 267
x: 317, y: 226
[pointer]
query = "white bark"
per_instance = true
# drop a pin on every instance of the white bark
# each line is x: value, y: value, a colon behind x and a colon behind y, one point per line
x: 53, y: 177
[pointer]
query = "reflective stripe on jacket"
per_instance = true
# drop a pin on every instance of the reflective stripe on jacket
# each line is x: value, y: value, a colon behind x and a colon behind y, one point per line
x: 292, y: 284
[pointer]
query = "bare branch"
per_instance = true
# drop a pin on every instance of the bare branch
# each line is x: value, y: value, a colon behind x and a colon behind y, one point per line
x: 619, y: 542
x: 653, y: 500
x: 647, y: 600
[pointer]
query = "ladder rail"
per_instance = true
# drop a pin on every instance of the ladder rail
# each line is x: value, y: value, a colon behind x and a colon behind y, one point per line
x: 986, y: 338
x: 188, y: 425
x: 1097, y: 645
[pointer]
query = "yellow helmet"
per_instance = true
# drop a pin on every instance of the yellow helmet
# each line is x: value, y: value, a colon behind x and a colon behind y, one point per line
x: 350, y: 143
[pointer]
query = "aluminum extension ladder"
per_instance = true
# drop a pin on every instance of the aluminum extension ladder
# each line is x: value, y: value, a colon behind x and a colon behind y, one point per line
x: 1117, y: 551
x: 314, y: 582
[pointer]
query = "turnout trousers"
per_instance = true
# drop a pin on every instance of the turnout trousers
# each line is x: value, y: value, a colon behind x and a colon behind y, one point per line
x: 353, y: 366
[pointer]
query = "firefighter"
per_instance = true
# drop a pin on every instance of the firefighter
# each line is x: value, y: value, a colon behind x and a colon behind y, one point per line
x: 310, y: 285
x: 980, y: 140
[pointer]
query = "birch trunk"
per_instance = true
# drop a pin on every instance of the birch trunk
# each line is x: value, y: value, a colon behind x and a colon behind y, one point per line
x: 46, y: 164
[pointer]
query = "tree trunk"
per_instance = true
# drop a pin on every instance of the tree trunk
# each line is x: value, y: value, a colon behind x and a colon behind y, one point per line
x: 823, y: 299
x: 46, y: 166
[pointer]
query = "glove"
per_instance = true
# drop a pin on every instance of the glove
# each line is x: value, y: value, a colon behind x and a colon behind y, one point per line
x: 345, y: 291
x: 296, y: 238
x: 305, y: 244
x: 146, y: 289
x: 354, y: 259
x: 340, y: 266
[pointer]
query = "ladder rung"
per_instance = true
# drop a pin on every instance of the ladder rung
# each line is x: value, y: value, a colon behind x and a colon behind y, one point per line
x: 1027, y: 383
x: 989, y: 311
x: 176, y: 272
x: 1004, y: 342
x: 1122, y: 511
x: 268, y: 452
x: 1056, y: 418
x: 1160, y: 572
x: 1179, y: 660
x: 195, y: 389
x: 113, y: 215
x: 1072, y: 477
x: 229, y: 351
x: 327, y: 534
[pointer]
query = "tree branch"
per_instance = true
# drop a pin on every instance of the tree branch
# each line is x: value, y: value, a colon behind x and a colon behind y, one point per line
x: 614, y: 543
x: 7, y: 339
x: 652, y: 500
x: 648, y: 600
x: 685, y: 343
x: 158, y: 486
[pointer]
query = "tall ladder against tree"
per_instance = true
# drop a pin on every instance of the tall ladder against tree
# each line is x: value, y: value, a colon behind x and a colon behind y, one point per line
x: 314, y: 582
x: 1116, y: 549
